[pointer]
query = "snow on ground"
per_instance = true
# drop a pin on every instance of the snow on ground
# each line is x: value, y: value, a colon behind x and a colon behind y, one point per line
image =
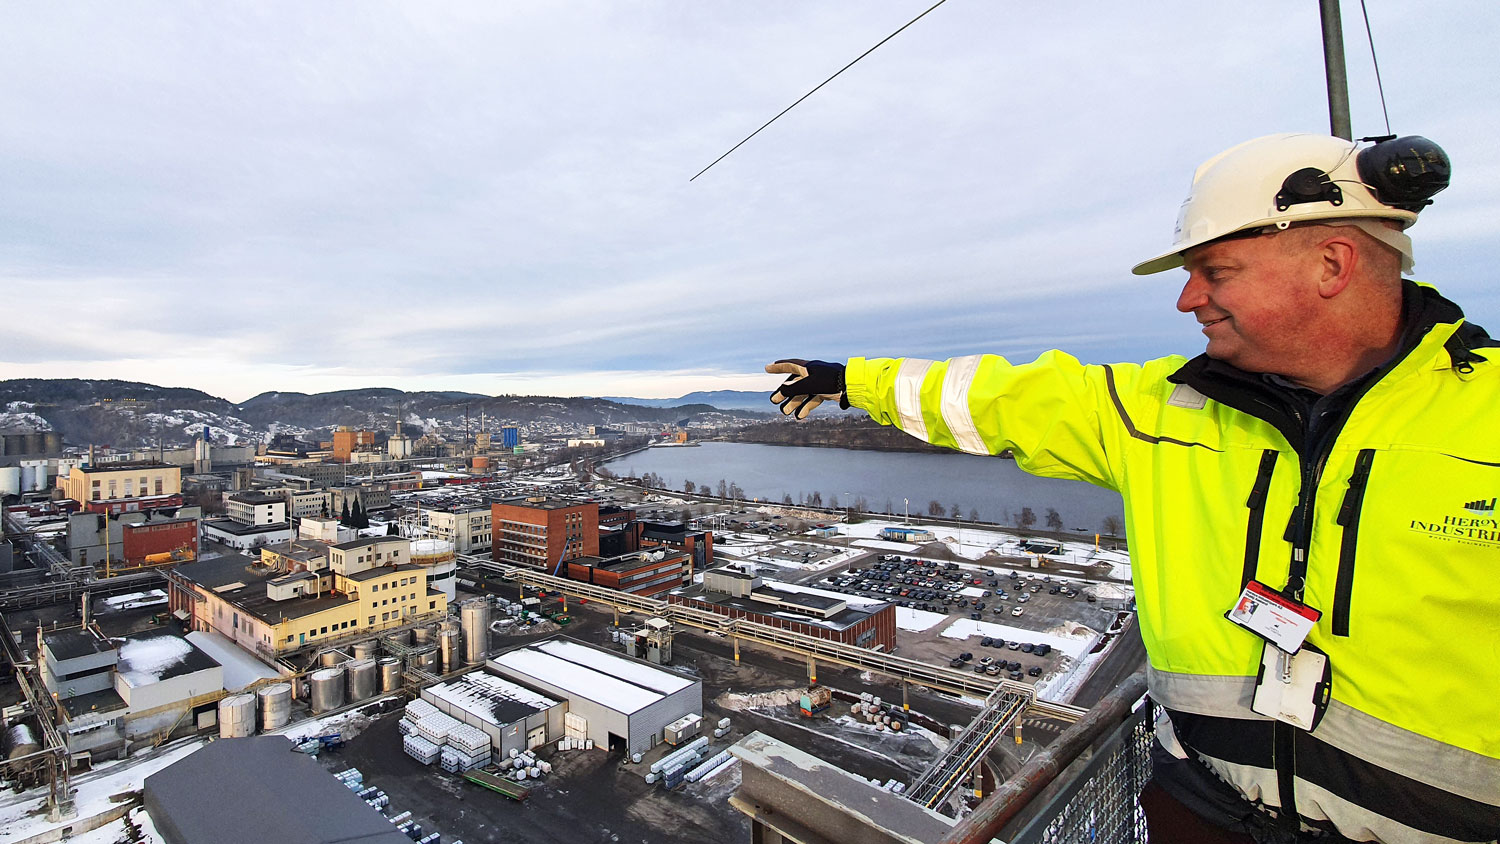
x: 23, y: 815
x: 431, y: 475
x: 977, y: 542
x: 917, y: 620
x: 1071, y: 638
x: 885, y: 545
x: 114, y: 831
x: 348, y: 723
x: 1061, y: 686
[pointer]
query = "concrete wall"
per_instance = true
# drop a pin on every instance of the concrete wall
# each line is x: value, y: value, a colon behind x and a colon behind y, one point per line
x: 170, y: 690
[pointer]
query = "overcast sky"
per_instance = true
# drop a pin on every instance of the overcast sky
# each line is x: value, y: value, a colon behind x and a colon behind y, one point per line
x: 494, y: 196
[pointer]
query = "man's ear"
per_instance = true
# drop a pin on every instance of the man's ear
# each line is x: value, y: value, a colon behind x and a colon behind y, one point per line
x: 1338, y: 259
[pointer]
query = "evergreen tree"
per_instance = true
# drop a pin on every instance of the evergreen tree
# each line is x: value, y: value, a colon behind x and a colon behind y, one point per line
x: 344, y: 514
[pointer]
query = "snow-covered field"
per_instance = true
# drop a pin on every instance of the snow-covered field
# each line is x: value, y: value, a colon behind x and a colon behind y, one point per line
x: 1072, y: 639
x: 917, y: 620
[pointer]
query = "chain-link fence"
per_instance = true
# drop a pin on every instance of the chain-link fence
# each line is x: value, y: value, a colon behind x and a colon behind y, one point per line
x: 1099, y: 805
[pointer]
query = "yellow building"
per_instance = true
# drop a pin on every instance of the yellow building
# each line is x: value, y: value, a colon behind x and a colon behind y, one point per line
x: 272, y: 611
x: 111, y: 481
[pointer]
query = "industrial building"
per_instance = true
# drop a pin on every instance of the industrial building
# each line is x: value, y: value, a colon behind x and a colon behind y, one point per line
x: 130, y: 540
x: 698, y: 544
x: 346, y: 441
x: 513, y: 716
x: 123, y: 487
x: 283, y: 797
x: 271, y: 610
x: 731, y: 591
x: 543, y: 534
x: 256, y: 508
x: 638, y: 572
x: 467, y: 527
x: 243, y: 537
x: 622, y: 704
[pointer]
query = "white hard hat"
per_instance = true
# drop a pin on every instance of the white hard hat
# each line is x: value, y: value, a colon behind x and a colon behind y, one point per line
x: 1276, y: 181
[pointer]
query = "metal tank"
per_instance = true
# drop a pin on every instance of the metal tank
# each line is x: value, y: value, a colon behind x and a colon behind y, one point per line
x: 424, y: 635
x: 20, y: 741
x: 426, y: 658
x: 475, y: 615
x: 329, y: 659
x: 399, y: 637
x: 10, y: 480
x: 275, y: 706
x: 390, y: 674
x: 448, y: 649
x: 327, y: 690
x: 362, y: 679
x: 366, y: 650
x: 237, y: 716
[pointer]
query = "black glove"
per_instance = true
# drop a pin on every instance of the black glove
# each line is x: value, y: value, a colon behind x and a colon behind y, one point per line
x: 812, y: 382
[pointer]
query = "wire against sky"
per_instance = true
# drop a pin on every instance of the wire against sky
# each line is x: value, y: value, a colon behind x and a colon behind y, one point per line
x: 815, y: 90
x: 1375, y: 61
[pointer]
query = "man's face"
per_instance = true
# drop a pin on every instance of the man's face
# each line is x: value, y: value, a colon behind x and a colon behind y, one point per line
x: 1254, y: 300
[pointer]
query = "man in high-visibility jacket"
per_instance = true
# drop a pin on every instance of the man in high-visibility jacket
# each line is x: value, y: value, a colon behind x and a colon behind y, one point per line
x: 1331, y: 460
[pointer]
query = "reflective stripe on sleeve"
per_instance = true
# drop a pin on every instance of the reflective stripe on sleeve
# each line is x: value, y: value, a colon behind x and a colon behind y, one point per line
x: 909, y: 397
x: 955, y: 404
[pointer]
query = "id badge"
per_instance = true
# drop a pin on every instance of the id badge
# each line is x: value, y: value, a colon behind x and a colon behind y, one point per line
x: 1272, y: 616
x: 1293, y: 687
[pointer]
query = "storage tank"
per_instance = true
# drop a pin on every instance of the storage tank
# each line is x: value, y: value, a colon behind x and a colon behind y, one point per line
x: 237, y: 716
x: 39, y: 480
x: 28, y: 478
x: 362, y: 679
x: 10, y: 480
x: 448, y: 647
x: 365, y: 650
x: 399, y: 637
x: 390, y: 674
x: 424, y: 635
x: 327, y: 690
x: 19, y: 741
x: 475, y: 616
x: 275, y: 706
x: 329, y: 659
x: 427, y: 658
x: 480, y: 463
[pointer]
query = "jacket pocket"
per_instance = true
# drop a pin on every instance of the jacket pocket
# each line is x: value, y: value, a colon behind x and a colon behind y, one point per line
x: 1348, y: 518
x: 1257, y: 506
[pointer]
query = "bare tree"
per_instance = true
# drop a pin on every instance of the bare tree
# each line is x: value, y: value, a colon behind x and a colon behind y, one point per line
x: 956, y: 511
x: 1054, y: 521
x: 833, y: 501
x: 787, y: 499
x: 689, y: 487
x: 723, y: 488
x: 1112, y: 525
x: 815, y: 500
x: 1026, y: 519
x: 935, y: 508
x: 973, y: 515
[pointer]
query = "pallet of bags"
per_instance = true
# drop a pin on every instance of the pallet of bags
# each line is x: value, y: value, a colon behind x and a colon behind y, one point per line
x: 420, y: 749
x: 435, y: 727
x: 418, y: 708
x: 469, y: 740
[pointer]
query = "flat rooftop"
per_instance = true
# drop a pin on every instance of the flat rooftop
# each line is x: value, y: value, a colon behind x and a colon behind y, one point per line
x: 364, y: 541
x: 611, y: 680
x: 235, y: 578
x: 858, y: 609
x: 77, y: 642
x: 255, y: 498
x: 242, y: 529
x: 493, y: 699
x: 156, y: 655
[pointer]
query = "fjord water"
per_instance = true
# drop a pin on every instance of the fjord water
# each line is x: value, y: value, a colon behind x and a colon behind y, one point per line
x: 992, y: 486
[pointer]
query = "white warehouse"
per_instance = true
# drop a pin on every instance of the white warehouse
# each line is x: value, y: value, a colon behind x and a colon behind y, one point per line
x: 621, y: 703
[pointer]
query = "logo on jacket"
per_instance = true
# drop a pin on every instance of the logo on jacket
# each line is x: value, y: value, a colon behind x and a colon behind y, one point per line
x: 1474, y: 524
x: 1481, y: 506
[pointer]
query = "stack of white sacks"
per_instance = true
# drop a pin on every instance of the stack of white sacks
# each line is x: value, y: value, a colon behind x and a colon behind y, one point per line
x: 524, y: 766
x: 430, y: 735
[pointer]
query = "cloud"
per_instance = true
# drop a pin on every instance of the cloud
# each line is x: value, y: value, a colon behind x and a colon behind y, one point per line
x: 352, y: 194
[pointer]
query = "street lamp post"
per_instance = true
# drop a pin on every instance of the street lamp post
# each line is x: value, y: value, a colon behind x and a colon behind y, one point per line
x: 907, y: 503
x: 848, y: 508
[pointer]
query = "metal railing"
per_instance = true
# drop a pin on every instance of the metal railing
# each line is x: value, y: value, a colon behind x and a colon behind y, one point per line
x: 1096, y: 800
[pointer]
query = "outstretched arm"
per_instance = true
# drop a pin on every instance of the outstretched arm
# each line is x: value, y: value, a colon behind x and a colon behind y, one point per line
x: 809, y: 383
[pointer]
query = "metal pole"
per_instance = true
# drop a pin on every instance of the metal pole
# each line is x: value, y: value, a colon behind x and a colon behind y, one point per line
x: 1333, y: 67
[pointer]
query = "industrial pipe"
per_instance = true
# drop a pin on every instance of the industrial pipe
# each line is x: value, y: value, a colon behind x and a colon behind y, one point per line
x: 1007, y: 801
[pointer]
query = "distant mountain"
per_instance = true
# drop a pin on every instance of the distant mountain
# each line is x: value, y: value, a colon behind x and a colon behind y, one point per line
x: 722, y: 399
x: 130, y: 414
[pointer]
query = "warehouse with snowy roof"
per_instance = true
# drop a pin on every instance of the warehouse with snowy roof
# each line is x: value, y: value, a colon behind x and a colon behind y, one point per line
x: 620, y: 703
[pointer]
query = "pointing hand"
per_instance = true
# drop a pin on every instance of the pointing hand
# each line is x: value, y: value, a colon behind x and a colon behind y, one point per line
x: 809, y: 384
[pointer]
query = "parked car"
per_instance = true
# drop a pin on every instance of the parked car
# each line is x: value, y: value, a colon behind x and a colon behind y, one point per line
x: 1028, y: 648
x: 1018, y: 611
x: 993, y: 669
x: 986, y: 642
x: 1036, y: 671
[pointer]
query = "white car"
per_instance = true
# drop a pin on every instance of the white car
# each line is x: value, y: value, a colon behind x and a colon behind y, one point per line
x: 1018, y: 611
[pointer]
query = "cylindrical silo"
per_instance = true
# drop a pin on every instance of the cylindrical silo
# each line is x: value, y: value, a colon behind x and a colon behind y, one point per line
x: 39, y: 480
x: 327, y: 689
x: 362, y: 679
x: 237, y: 716
x: 365, y: 650
x: 448, y: 648
x: 28, y: 478
x: 10, y: 480
x: 328, y: 659
x: 426, y: 658
x: 20, y: 741
x: 425, y: 635
x: 475, y: 614
x: 390, y: 674
x: 275, y: 706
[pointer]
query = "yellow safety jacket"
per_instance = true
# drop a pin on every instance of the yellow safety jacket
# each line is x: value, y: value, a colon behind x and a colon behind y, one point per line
x: 1392, y: 514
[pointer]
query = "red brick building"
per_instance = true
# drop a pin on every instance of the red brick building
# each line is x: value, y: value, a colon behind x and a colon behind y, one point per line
x: 640, y: 573
x: 142, y: 541
x: 542, y: 534
x: 815, y: 612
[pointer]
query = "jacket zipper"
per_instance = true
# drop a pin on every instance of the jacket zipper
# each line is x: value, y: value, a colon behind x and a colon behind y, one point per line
x: 1349, y: 520
x: 1257, y: 505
